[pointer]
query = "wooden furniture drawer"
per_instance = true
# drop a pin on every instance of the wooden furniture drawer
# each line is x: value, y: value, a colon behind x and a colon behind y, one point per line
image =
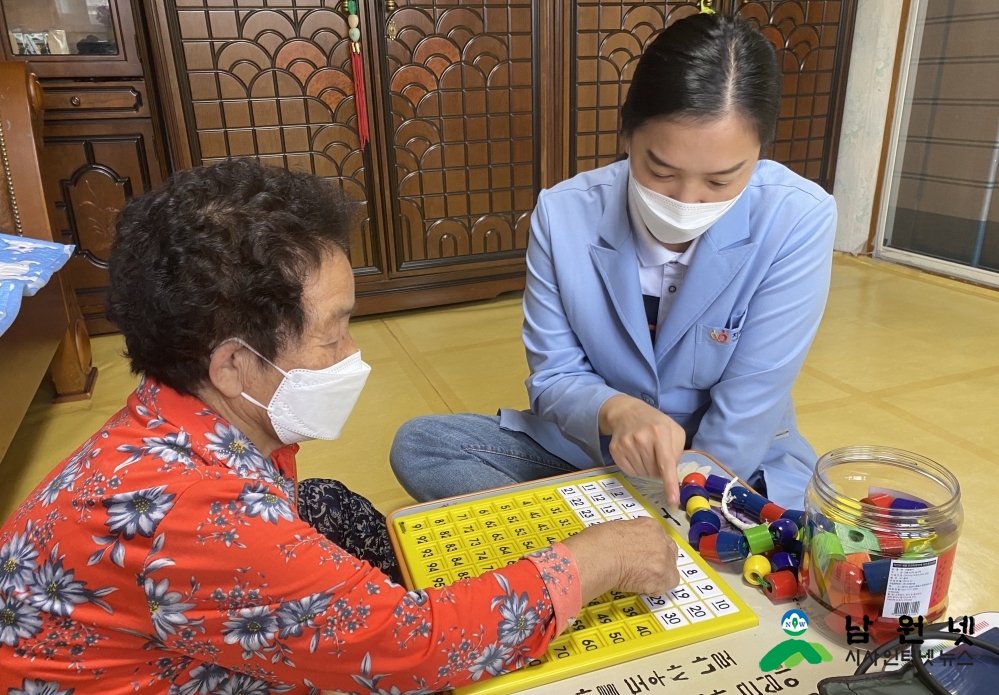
x: 94, y: 99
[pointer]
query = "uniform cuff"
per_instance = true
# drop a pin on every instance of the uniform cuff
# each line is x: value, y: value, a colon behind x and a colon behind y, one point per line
x: 558, y: 571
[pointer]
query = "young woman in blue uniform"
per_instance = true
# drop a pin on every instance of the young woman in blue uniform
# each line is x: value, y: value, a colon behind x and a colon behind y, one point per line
x: 671, y: 297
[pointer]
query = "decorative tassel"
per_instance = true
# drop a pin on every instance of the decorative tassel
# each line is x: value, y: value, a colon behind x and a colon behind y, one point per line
x: 357, y: 65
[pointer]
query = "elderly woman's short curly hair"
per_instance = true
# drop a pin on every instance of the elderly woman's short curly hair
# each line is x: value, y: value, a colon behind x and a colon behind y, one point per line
x: 215, y: 253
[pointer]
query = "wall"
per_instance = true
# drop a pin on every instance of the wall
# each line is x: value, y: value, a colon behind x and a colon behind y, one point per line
x: 865, y: 110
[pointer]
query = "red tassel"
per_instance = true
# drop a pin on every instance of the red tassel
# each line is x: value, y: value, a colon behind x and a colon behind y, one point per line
x: 360, y: 99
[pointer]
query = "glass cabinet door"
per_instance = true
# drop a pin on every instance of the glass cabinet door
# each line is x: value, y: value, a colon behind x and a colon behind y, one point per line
x: 61, y: 38
x: 60, y: 27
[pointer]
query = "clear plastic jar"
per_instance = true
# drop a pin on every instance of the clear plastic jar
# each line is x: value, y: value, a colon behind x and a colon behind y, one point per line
x: 869, y: 558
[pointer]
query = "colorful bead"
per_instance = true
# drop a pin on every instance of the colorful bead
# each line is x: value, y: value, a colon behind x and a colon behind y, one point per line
x: 755, y: 569
x: 783, y: 531
x: 754, y: 504
x: 905, y: 505
x: 826, y: 549
x: 783, y: 562
x: 780, y: 586
x: 890, y: 544
x: 844, y: 583
x: 876, y: 575
x: 697, y: 531
x: 715, y: 485
x: 858, y: 559
x: 819, y: 522
x: 739, y: 496
x: 688, y: 491
x: 759, y: 539
x: 693, y: 479
x: 354, y: 34
x: 706, y: 516
x: 771, y: 512
x: 882, y: 501
x: 724, y: 547
x: 795, y: 515
x: 857, y: 540
x: 695, y: 504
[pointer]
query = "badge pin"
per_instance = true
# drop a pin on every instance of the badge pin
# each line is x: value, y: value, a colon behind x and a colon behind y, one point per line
x: 719, y: 336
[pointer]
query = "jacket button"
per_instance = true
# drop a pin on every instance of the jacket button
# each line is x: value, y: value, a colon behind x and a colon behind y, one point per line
x: 648, y: 399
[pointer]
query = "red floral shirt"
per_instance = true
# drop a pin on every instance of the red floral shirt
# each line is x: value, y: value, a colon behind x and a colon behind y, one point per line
x: 166, y: 555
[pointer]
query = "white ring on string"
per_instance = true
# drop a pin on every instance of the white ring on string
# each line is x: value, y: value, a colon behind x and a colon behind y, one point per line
x: 726, y: 498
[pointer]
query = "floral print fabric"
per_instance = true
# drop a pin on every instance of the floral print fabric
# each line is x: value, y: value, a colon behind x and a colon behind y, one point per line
x: 167, y: 556
x: 348, y: 520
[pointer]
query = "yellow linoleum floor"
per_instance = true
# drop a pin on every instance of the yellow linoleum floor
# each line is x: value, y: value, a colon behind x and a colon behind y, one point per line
x: 902, y: 359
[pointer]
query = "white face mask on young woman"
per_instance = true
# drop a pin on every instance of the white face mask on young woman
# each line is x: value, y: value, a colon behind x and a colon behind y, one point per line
x: 313, y: 403
x: 671, y: 221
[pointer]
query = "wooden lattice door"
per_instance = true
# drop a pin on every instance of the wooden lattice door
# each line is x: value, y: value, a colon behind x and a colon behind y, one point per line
x: 451, y: 174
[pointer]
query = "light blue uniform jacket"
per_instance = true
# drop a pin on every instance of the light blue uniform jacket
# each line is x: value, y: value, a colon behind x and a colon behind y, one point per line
x: 761, y: 273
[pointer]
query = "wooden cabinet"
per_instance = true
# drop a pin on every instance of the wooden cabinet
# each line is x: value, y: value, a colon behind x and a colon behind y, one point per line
x: 473, y: 107
x: 101, y: 136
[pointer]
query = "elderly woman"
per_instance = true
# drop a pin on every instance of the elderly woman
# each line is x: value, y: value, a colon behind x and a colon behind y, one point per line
x: 176, y: 552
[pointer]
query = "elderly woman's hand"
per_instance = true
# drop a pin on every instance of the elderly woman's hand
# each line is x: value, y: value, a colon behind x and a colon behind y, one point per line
x: 634, y: 555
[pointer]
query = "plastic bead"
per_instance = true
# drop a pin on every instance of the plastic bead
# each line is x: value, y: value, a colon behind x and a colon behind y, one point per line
x: 844, y: 583
x: 706, y: 516
x: 876, y: 575
x: 695, y: 504
x: 771, y: 512
x: 783, y: 531
x: 795, y: 515
x: 688, y: 491
x: 759, y: 539
x: 697, y: 531
x: 693, y: 479
x: 715, y: 485
x: 739, y: 495
x: 754, y: 504
x: 723, y: 547
x: 755, y: 569
x: 826, y: 549
x: 921, y: 546
x: 857, y: 540
x: 905, y: 505
x: 858, y: 559
x: 883, y: 501
x: 783, y: 562
x: 890, y: 544
x: 820, y: 522
x: 780, y: 586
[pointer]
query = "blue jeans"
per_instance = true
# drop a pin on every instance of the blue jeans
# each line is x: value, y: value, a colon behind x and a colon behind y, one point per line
x: 446, y: 455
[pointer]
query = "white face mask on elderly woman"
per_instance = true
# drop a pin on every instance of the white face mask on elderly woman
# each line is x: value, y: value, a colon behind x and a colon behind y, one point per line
x: 313, y: 403
x: 670, y: 221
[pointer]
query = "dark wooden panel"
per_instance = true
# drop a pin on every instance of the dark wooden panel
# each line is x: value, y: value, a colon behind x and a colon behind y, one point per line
x: 76, y: 100
x: 461, y: 92
x: 609, y: 36
x: 275, y: 83
x: 90, y: 169
x: 813, y: 40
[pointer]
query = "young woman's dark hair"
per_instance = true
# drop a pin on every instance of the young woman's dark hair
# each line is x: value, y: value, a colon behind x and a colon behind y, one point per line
x: 707, y: 66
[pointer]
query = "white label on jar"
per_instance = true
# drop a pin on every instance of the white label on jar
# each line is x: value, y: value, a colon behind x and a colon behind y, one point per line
x: 910, y: 584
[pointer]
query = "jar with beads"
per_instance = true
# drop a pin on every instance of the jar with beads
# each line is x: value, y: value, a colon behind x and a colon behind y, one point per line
x: 879, y: 540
